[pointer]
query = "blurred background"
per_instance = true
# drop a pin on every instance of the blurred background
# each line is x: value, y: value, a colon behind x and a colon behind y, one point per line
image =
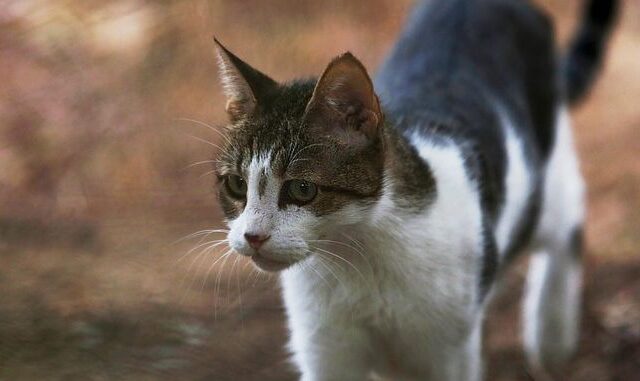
x: 106, y: 111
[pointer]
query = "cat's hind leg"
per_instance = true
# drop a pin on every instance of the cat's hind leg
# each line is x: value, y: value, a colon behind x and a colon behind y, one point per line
x: 552, y: 310
x: 553, y: 291
x: 473, y: 366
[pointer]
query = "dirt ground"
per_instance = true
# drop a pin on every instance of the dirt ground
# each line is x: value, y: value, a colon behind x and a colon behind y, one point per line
x: 101, y: 288
x: 69, y: 314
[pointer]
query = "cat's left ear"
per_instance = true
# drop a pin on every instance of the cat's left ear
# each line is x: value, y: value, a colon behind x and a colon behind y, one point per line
x: 344, y: 103
x: 244, y: 86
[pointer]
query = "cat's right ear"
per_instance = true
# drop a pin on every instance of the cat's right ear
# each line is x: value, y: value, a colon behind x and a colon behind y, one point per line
x: 243, y: 85
x: 344, y: 103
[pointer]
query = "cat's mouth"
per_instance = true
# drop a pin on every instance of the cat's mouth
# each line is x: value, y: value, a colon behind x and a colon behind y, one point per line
x: 268, y: 264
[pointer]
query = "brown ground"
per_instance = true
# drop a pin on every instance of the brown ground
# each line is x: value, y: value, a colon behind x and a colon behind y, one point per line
x: 93, y: 191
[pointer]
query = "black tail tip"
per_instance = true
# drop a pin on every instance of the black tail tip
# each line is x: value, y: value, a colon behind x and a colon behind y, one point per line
x: 587, y: 50
x: 601, y: 13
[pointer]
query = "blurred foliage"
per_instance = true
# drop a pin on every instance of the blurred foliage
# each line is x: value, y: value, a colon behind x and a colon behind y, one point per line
x: 100, y: 101
x: 104, y: 105
x: 99, y: 98
x: 88, y: 89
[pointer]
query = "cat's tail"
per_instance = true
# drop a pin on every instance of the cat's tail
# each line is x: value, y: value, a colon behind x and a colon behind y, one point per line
x: 587, y: 49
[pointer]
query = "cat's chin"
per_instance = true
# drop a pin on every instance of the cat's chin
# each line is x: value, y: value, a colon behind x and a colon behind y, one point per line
x: 268, y: 264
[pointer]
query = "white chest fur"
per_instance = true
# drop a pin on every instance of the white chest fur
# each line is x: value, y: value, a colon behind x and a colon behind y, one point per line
x: 410, y: 285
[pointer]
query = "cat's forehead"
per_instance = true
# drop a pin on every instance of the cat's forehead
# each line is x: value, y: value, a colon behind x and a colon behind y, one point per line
x: 283, y: 148
x: 274, y: 133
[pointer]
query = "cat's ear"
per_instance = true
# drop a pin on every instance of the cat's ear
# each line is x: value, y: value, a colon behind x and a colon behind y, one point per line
x: 344, y: 102
x: 244, y: 86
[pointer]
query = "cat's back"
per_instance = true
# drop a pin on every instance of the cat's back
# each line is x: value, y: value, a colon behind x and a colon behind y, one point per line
x: 457, y: 59
x: 447, y: 38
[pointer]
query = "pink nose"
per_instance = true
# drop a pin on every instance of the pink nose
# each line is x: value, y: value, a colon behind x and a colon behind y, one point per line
x: 256, y: 240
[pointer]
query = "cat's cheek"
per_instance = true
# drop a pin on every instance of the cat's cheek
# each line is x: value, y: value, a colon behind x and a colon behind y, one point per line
x: 332, y: 223
x: 297, y: 226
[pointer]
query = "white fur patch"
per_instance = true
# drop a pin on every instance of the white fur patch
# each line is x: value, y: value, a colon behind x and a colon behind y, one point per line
x: 518, y: 186
x: 563, y: 206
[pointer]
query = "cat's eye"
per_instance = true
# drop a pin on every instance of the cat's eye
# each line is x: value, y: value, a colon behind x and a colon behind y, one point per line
x: 301, y: 192
x: 236, y: 186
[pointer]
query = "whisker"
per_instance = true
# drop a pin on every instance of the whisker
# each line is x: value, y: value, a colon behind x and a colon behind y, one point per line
x: 207, y: 173
x: 327, y: 266
x: 342, y: 259
x: 355, y: 241
x: 229, y: 276
x: 206, y: 125
x: 309, y: 266
x: 218, y: 277
x: 196, y: 259
x: 200, y: 232
x: 224, y: 255
x: 229, y: 279
x: 258, y: 275
x: 354, y: 249
x: 299, y: 159
x: 295, y: 156
x: 338, y: 243
x: 212, y: 243
x: 206, y: 275
x: 240, y: 297
x: 206, y: 142
x: 201, y: 162
x: 246, y: 264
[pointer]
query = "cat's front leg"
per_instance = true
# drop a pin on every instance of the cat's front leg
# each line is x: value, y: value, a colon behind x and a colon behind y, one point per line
x: 331, y: 353
x: 327, y: 340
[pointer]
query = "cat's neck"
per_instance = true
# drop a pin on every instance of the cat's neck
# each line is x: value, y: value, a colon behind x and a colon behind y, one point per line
x: 409, y: 180
x: 427, y: 196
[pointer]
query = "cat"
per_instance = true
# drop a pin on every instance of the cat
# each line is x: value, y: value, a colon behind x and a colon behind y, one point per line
x: 390, y: 206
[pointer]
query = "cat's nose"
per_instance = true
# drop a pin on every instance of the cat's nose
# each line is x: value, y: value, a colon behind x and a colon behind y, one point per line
x: 256, y: 240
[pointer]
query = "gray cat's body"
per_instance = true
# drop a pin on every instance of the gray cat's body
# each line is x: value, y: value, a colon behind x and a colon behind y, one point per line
x: 389, y: 218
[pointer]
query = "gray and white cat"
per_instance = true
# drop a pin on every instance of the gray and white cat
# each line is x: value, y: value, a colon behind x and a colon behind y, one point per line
x: 389, y: 206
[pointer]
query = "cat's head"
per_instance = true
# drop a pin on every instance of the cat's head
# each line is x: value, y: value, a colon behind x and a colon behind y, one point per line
x: 301, y: 160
